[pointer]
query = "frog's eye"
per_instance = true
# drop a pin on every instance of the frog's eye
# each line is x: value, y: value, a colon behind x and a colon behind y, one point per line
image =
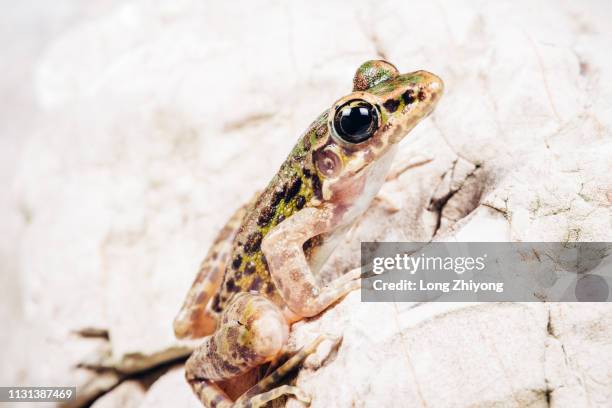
x: 356, y: 121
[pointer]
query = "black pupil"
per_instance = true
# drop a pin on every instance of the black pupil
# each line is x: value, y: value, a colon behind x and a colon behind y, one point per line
x: 356, y: 123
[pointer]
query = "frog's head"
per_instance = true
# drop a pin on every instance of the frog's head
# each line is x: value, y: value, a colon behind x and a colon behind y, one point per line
x: 383, y: 107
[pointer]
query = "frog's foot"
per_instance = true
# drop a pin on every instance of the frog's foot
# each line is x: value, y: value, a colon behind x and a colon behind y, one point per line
x: 322, y: 353
x: 315, y: 360
x: 351, y: 279
x: 328, y: 295
x: 262, y: 399
x: 263, y: 392
x: 212, y: 396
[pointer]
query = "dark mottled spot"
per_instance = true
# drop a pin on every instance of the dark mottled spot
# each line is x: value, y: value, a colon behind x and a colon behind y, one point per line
x: 321, y: 130
x: 253, y: 242
x: 306, y: 141
x: 238, y: 275
x: 287, y: 292
x: 224, y: 321
x: 421, y: 96
x: 265, y: 263
x: 237, y: 261
x: 233, y: 333
x: 246, y: 353
x: 276, y: 376
x: 293, y: 189
x: 277, y: 197
x: 216, y: 304
x: 230, y: 368
x: 214, y: 255
x: 391, y: 105
x: 266, y: 216
x: 408, y: 97
x: 231, y: 285
x: 201, y: 276
x: 360, y: 82
x: 311, y: 244
x: 307, y: 290
x: 255, y: 284
x: 201, y: 297
x: 316, y: 187
x: 216, y: 401
x: 249, y: 268
x: 295, y: 276
x: 212, y: 347
x: 281, y: 218
x: 300, y: 202
x: 269, y: 288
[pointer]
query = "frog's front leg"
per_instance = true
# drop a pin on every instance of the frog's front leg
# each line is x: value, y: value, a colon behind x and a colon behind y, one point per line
x: 251, y: 332
x: 283, y: 249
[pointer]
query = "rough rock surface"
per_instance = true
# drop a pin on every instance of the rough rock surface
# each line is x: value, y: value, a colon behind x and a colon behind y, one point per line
x: 161, y: 118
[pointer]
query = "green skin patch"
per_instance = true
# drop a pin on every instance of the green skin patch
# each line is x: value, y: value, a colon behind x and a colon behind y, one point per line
x: 372, y: 73
x: 395, y: 83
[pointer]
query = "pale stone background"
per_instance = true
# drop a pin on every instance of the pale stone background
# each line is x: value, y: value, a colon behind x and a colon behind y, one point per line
x: 131, y: 130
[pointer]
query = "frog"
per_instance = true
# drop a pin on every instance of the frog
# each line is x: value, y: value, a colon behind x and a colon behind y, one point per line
x: 260, y: 274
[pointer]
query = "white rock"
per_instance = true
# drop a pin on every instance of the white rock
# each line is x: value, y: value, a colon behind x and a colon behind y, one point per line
x: 163, y: 118
x: 433, y: 355
x: 129, y: 394
x: 171, y: 390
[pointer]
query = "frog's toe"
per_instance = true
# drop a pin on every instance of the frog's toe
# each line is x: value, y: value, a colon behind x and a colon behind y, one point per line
x: 289, y: 390
x: 300, y: 395
x: 350, y: 280
x: 328, y: 344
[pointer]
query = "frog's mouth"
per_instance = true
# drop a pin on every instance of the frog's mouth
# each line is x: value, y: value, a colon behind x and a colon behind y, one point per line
x: 383, y: 160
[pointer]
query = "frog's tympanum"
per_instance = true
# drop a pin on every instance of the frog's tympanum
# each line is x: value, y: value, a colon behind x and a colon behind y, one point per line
x: 260, y: 274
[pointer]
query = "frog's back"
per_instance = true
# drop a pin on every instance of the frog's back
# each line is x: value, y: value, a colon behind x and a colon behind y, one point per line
x: 295, y: 186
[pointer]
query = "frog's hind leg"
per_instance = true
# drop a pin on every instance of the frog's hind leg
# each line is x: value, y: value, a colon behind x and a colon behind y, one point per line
x: 210, y: 394
x: 252, y: 331
x: 194, y: 320
x: 263, y: 392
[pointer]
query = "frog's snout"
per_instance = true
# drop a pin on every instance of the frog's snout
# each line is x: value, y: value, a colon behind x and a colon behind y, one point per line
x: 433, y: 85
